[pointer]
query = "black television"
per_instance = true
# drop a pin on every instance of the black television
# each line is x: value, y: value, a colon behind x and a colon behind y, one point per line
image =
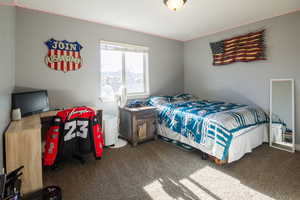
x: 31, y: 102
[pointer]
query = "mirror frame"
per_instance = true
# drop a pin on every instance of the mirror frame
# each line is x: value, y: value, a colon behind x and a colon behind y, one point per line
x: 293, y: 114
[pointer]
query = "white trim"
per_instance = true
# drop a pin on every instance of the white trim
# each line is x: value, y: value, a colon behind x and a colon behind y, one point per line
x: 291, y: 151
x: 293, y: 114
x: 138, y: 96
x: 146, y: 73
x: 281, y: 79
x: 129, y: 97
x: 270, y: 114
x: 124, y: 80
x: 116, y: 46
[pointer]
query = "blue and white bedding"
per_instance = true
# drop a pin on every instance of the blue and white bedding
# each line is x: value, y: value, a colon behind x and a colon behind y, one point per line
x: 212, y: 124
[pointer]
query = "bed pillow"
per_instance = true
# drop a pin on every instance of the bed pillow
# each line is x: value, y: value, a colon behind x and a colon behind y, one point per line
x: 183, y: 97
x: 158, y: 100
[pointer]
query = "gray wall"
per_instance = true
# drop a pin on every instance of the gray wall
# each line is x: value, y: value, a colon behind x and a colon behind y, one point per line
x: 83, y: 87
x: 7, y: 65
x: 247, y: 82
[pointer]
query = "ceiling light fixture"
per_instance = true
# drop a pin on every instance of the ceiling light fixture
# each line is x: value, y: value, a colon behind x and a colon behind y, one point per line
x: 174, y: 4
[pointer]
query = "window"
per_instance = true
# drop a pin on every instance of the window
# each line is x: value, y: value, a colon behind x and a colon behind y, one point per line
x: 123, y: 66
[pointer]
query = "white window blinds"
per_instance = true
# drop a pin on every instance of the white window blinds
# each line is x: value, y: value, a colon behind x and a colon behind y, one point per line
x: 114, y: 46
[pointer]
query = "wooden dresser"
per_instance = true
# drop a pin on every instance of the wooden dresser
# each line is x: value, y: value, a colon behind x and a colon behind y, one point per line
x: 137, y: 124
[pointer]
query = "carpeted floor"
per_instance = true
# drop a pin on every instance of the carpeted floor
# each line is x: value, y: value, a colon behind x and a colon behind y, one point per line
x: 159, y: 170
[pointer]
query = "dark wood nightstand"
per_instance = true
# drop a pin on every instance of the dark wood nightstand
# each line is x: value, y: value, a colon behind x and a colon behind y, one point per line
x: 137, y: 124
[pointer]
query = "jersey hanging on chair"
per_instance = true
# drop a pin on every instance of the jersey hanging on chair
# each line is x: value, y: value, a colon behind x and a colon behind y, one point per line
x: 74, y: 132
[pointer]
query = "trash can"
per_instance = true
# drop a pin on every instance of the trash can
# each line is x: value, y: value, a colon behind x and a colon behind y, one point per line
x: 110, y: 127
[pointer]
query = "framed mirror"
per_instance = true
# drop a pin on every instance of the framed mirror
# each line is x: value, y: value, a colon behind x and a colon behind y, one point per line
x: 282, y: 114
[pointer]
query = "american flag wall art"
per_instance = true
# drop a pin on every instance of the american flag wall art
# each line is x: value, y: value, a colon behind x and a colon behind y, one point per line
x: 63, y: 55
x: 245, y: 48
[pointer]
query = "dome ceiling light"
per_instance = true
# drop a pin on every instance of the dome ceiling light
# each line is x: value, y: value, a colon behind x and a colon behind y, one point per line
x: 174, y: 4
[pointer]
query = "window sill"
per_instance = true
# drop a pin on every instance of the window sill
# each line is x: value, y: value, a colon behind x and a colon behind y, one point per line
x: 129, y: 97
x: 138, y: 96
x: 106, y: 100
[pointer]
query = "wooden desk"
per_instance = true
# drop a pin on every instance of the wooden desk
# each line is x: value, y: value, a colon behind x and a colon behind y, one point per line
x: 23, y: 147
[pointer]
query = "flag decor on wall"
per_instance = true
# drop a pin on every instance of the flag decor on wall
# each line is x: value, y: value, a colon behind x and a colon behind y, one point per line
x: 245, y: 48
x: 63, y: 55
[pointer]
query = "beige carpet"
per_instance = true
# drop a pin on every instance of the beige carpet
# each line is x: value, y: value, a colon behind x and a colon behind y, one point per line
x: 158, y: 170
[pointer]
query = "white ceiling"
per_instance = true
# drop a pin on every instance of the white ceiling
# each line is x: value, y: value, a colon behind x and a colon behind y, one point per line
x: 196, y: 19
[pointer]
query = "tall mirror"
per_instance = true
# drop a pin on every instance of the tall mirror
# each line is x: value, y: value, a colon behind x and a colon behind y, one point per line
x: 282, y: 122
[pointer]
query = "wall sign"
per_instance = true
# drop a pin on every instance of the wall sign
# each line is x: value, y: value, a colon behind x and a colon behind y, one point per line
x: 63, y: 55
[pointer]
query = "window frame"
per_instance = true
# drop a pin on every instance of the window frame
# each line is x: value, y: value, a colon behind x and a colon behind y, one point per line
x: 145, y: 52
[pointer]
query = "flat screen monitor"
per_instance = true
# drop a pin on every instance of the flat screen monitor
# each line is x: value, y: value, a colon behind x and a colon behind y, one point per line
x: 31, y: 102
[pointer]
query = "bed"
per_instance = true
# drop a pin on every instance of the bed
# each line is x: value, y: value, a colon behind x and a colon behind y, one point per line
x: 226, y: 131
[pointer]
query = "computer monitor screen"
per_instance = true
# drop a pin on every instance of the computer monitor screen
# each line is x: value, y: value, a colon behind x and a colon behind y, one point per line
x: 31, y: 102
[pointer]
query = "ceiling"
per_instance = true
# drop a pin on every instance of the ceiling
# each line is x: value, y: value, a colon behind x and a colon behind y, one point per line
x: 197, y: 18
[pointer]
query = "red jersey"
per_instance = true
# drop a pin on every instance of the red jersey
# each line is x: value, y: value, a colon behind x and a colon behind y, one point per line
x: 75, y: 131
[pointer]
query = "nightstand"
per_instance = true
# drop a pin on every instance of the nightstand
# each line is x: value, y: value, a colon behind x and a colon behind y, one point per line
x: 137, y: 124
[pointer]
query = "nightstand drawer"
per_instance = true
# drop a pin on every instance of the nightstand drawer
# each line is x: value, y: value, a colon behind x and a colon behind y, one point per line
x: 145, y: 115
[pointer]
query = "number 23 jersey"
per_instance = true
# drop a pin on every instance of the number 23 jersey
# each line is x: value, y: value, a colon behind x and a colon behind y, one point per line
x: 75, y: 131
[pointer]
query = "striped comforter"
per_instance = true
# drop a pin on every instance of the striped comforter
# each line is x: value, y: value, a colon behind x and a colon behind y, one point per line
x: 209, y: 123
